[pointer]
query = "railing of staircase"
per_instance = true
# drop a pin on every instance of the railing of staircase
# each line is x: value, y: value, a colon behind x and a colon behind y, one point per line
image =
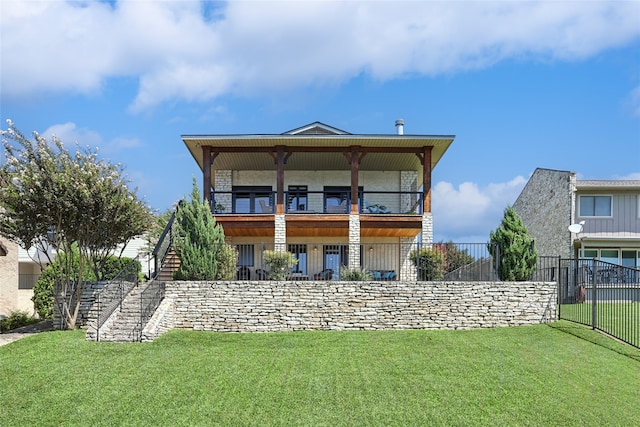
x: 165, y: 242
x: 150, y: 299
x: 111, y: 296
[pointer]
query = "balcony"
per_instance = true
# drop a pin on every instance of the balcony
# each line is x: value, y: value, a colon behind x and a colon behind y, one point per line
x: 318, y: 213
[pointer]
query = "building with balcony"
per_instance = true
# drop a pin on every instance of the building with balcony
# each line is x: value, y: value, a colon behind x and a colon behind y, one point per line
x: 604, y: 215
x: 330, y: 197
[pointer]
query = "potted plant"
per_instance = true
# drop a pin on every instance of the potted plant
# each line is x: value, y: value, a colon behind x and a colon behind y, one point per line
x: 219, y: 208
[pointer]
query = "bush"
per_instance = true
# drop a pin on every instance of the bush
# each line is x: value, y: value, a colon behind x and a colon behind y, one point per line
x: 227, y: 259
x: 354, y: 274
x: 430, y: 262
x: 513, y: 248
x: 17, y: 319
x: 279, y: 264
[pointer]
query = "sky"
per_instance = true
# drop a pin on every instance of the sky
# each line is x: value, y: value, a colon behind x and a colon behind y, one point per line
x: 522, y: 85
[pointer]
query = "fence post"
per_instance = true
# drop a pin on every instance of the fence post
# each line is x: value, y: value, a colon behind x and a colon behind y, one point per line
x: 593, y: 299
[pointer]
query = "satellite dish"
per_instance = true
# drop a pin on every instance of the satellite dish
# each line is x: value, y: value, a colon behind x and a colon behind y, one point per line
x: 576, y: 228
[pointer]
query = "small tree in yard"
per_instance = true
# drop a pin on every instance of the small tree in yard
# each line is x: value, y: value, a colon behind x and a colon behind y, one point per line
x: 199, y: 243
x: 513, y: 248
x: 55, y: 200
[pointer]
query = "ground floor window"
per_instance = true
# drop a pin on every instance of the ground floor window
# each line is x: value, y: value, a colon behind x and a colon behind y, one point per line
x: 245, y: 255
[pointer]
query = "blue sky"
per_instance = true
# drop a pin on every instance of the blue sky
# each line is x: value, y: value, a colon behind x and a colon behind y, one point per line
x: 552, y: 84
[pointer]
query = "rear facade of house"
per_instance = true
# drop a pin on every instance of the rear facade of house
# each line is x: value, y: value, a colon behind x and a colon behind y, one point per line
x: 332, y: 198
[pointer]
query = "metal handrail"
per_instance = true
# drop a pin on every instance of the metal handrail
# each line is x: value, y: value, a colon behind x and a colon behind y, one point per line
x: 164, y: 245
x: 369, y: 202
x: 111, y: 296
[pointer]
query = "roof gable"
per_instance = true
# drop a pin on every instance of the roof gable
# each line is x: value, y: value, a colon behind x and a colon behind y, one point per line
x: 316, y: 128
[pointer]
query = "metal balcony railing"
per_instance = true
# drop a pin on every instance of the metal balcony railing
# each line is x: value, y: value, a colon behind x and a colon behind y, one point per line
x: 317, y: 202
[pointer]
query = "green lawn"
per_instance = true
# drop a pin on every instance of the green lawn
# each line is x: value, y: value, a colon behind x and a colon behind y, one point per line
x: 563, y: 374
x: 620, y: 319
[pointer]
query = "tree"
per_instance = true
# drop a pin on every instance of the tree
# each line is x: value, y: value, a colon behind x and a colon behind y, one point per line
x: 44, y: 287
x: 199, y: 242
x: 430, y: 261
x: 54, y: 199
x: 513, y: 248
x: 455, y: 258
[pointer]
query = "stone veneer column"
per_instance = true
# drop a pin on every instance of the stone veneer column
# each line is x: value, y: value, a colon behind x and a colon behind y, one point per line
x: 408, y: 182
x: 427, y: 229
x: 408, y: 271
x: 354, y: 241
x: 223, y: 182
x: 280, y: 237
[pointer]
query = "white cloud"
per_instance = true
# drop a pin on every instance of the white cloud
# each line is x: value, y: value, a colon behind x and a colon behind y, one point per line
x: 70, y: 135
x: 185, y: 51
x: 468, y: 213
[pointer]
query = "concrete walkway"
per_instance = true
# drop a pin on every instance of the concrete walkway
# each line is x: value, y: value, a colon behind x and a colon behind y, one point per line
x: 25, y: 331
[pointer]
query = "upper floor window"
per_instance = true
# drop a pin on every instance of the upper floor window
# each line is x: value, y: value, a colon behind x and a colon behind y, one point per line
x: 595, y: 205
x: 252, y: 199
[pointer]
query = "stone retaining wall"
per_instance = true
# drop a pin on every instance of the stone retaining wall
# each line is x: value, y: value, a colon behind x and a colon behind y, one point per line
x: 263, y: 306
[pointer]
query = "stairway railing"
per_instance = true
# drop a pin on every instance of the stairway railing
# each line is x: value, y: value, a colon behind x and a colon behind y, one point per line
x: 111, y: 296
x: 165, y: 242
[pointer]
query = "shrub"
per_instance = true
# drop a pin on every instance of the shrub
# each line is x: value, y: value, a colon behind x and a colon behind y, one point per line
x: 227, y: 259
x: 279, y: 264
x: 198, y: 240
x: 430, y: 262
x: 354, y: 274
x: 513, y: 248
x: 17, y: 319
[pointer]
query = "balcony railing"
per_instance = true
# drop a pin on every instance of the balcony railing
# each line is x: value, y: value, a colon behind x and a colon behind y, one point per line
x: 317, y: 202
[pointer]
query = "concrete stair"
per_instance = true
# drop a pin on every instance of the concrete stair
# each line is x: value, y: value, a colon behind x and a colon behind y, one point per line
x: 125, y: 326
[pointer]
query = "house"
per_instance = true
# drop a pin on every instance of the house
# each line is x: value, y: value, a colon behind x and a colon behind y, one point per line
x: 330, y: 197
x: 604, y: 216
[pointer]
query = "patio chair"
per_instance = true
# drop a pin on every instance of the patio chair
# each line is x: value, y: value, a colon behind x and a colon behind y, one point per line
x: 341, y: 208
x: 326, y: 274
x: 262, y: 274
x: 265, y: 208
x: 243, y: 273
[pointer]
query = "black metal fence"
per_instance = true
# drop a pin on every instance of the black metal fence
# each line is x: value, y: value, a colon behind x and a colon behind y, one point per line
x: 602, y: 295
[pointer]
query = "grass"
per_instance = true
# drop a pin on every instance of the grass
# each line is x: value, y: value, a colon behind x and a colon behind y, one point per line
x: 620, y: 319
x: 563, y: 374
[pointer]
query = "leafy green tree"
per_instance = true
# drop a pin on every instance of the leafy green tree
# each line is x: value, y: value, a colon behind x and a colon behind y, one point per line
x: 54, y: 199
x: 513, y: 248
x: 454, y: 258
x: 199, y: 241
x: 431, y: 262
x: 43, y: 289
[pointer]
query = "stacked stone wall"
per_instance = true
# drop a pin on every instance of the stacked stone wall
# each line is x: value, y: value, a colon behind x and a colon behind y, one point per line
x: 288, y: 306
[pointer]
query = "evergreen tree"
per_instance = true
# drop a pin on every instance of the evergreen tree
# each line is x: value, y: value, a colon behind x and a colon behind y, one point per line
x: 199, y: 239
x: 513, y: 248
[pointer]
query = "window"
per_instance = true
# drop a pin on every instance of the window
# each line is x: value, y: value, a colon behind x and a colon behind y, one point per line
x: 297, y: 198
x: 335, y: 256
x: 339, y: 197
x: 595, y: 205
x: 252, y: 199
x: 245, y: 255
x: 299, y: 251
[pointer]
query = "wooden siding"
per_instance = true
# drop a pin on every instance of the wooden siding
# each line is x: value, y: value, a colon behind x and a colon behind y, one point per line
x: 320, y: 225
x: 625, y: 219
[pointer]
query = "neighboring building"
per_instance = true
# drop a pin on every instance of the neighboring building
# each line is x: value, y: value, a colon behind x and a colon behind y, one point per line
x: 19, y: 272
x: 609, y: 211
x: 330, y: 197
